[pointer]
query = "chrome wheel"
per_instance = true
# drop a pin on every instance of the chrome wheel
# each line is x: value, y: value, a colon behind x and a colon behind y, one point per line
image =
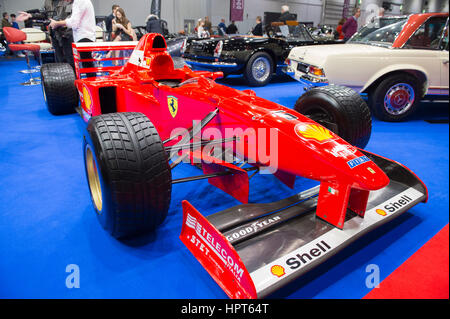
x: 261, y: 69
x: 399, y: 99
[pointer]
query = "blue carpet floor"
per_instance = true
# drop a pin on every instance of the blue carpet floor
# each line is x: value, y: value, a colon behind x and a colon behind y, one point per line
x: 47, y: 221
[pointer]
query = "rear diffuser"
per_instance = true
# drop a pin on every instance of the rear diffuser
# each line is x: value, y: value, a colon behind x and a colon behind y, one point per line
x: 251, y: 250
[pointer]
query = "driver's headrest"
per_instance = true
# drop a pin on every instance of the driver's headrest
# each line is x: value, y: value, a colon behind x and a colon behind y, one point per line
x: 151, y: 55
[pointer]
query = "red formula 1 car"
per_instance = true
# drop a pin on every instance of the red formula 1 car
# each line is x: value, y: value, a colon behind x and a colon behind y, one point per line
x: 146, y: 117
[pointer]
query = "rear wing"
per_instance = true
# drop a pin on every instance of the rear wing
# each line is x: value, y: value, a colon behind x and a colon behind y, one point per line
x: 105, y: 57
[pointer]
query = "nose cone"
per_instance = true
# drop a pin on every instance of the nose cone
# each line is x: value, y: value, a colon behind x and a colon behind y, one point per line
x: 336, y: 160
x: 366, y: 174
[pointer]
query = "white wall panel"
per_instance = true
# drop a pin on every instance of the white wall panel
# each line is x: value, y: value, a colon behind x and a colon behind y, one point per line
x: 175, y: 11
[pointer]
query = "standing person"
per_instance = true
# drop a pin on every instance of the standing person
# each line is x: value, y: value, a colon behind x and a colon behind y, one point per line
x: 5, y: 21
x: 153, y: 24
x: 232, y: 29
x: 62, y: 37
x: 285, y: 15
x: 14, y: 22
x: 351, y: 25
x: 201, y: 31
x: 222, y: 27
x: 208, y: 25
x: 108, y: 21
x: 197, y: 25
x: 82, y: 23
x: 121, y: 27
x: 16, y: 26
x: 339, y: 34
x: 7, y: 24
x: 257, y: 30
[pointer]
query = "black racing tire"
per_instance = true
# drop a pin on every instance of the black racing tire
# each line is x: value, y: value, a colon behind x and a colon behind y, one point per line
x: 339, y: 109
x: 58, y: 87
x: 128, y: 173
x: 396, y: 97
x: 259, y: 69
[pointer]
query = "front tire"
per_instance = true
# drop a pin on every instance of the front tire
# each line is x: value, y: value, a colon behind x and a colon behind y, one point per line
x: 259, y: 69
x: 395, y: 98
x: 128, y: 174
x: 339, y: 109
x: 58, y: 87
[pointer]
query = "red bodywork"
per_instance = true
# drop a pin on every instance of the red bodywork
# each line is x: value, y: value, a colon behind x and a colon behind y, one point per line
x: 304, y: 147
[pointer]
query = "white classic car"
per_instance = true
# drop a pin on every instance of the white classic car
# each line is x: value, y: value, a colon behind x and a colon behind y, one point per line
x: 396, y: 61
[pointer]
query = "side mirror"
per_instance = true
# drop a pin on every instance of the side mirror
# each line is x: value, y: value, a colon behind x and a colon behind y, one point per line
x: 217, y: 75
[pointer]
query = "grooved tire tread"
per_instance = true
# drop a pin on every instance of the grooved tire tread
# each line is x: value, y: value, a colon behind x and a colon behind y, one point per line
x: 355, y: 125
x: 58, y: 81
x: 134, y: 165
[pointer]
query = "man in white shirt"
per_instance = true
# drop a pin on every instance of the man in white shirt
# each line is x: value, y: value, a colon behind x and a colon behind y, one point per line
x: 62, y: 38
x: 82, y: 22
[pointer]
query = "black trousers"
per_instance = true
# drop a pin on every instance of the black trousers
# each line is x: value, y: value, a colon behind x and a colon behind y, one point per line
x: 63, y: 49
x: 87, y: 55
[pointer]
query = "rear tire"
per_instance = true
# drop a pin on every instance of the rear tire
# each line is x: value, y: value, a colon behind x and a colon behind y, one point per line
x: 396, y: 98
x: 58, y: 87
x: 339, y: 109
x: 128, y: 173
x: 259, y: 69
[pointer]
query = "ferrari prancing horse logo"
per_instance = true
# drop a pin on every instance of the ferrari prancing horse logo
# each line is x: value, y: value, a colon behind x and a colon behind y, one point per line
x: 172, y: 103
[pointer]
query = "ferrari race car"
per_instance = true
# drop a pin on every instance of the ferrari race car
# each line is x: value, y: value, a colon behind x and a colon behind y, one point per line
x: 147, y: 117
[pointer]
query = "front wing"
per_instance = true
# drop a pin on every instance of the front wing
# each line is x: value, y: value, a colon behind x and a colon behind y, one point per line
x: 251, y: 250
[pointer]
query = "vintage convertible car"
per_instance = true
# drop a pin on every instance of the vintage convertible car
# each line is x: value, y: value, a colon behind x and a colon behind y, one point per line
x: 395, y: 64
x: 147, y: 117
x: 258, y: 58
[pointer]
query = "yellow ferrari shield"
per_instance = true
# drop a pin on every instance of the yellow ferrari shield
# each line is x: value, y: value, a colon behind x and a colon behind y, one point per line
x: 172, y: 103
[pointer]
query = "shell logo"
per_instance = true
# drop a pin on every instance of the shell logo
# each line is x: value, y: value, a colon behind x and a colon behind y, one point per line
x: 313, y: 131
x: 87, y: 99
x: 381, y: 212
x: 277, y: 270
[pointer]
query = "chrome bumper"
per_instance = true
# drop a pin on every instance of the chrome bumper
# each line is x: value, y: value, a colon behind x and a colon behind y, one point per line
x: 305, y: 79
x: 211, y: 64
